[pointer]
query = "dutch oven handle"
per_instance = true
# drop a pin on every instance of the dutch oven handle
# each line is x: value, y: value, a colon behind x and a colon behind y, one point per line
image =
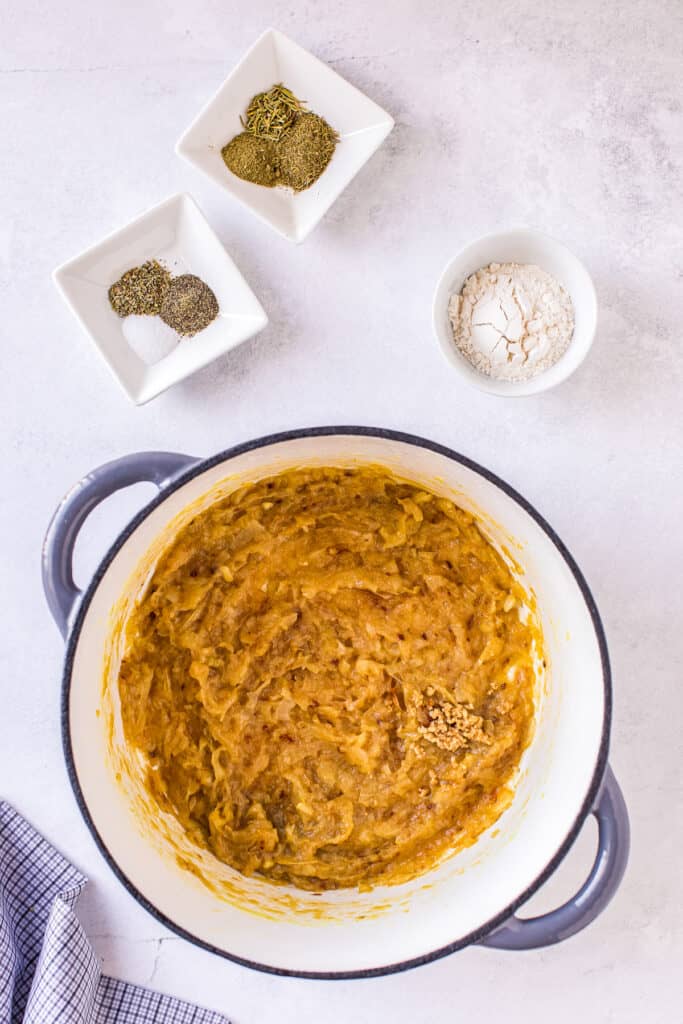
x: 596, y: 892
x: 58, y: 547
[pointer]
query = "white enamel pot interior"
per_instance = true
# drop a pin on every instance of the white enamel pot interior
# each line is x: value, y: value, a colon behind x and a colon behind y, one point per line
x: 467, y: 896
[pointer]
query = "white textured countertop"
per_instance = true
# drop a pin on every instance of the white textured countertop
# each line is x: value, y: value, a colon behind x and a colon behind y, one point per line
x: 561, y: 116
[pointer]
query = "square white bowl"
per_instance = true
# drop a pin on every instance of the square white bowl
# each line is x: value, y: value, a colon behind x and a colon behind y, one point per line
x: 178, y: 234
x: 362, y: 126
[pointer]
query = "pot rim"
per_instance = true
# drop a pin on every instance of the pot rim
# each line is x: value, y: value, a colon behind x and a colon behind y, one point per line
x: 201, y: 466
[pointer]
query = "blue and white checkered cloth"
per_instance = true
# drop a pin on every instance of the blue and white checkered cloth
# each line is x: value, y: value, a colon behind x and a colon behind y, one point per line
x: 49, y: 973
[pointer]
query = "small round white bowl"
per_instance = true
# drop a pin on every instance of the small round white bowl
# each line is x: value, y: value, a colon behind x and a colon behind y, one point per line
x: 519, y: 246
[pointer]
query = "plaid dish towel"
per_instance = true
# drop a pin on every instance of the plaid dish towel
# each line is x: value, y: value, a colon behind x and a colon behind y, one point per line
x: 49, y: 973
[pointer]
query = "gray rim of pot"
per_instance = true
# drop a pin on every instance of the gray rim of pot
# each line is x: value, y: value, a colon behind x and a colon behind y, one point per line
x: 202, y: 466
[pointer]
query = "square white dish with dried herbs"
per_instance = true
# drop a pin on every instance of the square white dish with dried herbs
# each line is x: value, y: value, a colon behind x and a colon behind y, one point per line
x: 284, y: 135
x: 160, y: 298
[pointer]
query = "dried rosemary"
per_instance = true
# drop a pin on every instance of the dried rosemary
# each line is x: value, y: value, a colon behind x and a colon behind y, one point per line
x: 140, y: 291
x: 282, y: 142
x: 189, y: 305
x: 271, y: 113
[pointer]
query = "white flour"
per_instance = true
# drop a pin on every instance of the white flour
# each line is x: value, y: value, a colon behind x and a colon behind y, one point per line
x: 512, y: 320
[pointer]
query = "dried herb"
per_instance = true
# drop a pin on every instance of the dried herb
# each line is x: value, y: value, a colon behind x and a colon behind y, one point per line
x: 141, y: 290
x: 270, y: 114
x: 251, y: 159
x: 282, y: 142
x: 305, y: 151
x: 189, y: 305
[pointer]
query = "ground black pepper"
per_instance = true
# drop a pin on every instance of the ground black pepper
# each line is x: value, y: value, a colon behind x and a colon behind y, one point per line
x: 189, y: 305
